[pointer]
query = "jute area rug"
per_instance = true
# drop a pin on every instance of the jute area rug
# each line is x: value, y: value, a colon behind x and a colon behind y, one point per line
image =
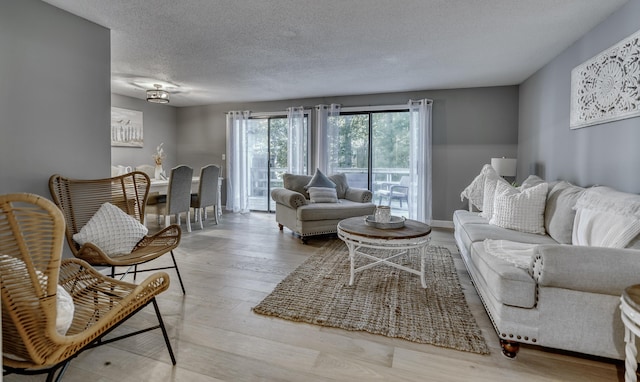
x: 383, y: 300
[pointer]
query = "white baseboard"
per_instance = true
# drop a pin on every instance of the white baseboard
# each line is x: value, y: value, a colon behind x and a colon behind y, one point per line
x: 442, y: 223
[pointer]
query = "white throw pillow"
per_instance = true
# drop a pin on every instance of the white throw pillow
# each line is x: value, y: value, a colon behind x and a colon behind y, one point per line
x: 475, y: 191
x: 65, y: 310
x: 64, y: 303
x: 606, y: 218
x: 491, y: 179
x: 520, y: 210
x: 323, y: 195
x: 112, y: 230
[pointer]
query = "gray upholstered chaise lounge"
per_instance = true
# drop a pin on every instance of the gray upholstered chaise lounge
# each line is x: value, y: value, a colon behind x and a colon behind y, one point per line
x: 295, y: 211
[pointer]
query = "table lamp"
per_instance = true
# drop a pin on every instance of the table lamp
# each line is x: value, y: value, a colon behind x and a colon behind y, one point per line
x: 505, y: 167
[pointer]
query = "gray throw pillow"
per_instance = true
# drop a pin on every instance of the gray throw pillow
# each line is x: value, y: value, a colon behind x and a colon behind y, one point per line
x: 320, y: 180
x: 559, y: 213
x: 341, y: 183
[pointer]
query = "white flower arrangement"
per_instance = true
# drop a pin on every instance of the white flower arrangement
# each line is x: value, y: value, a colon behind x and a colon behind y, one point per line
x: 159, y: 156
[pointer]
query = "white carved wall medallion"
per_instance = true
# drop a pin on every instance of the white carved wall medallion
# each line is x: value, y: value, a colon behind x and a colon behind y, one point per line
x: 606, y: 87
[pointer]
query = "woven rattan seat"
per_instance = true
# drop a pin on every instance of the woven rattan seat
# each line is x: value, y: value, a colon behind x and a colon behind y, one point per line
x: 80, y: 199
x: 31, y: 268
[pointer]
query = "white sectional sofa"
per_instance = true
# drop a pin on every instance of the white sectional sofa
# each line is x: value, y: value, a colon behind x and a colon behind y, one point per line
x: 552, y: 292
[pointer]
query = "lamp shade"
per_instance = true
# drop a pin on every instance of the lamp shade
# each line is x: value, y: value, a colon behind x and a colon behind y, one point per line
x: 158, y: 95
x: 504, y: 166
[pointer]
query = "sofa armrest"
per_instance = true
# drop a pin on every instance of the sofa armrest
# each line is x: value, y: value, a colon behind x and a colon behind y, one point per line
x: 590, y: 269
x: 358, y: 195
x: 288, y: 198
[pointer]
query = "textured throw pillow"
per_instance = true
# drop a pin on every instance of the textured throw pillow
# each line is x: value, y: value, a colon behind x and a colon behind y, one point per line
x: 323, y: 195
x: 319, y: 180
x: 520, y: 210
x: 112, y: 230
x: 475, y: 191
x: 491, y: 179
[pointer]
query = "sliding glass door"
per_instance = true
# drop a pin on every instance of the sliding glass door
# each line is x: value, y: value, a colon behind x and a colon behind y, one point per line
x: 268, y: 158
x: 374, y: 153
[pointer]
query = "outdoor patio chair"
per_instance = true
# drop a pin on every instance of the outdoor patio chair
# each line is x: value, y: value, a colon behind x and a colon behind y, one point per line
x: 80, y: 200
x: 398, y: 192
x: 53, y: 308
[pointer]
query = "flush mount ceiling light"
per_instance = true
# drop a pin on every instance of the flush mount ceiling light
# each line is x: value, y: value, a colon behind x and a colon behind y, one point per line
x: 157, y: 95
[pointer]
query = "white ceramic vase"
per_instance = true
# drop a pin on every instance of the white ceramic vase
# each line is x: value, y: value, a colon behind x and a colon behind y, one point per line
x: 158, y: 172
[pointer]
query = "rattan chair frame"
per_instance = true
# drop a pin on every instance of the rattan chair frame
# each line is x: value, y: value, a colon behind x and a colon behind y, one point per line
x: 80, y: 199
x: 31, y: 268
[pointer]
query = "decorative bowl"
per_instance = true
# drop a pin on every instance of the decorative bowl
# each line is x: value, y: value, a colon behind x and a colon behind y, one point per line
x: 394, y: 223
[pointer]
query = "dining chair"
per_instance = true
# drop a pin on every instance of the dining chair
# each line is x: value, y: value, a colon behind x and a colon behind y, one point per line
x: 54, y: 308
x: 398, y: 192
x: 178, y: 196
x: 81, y: 199
x: 207, y: 193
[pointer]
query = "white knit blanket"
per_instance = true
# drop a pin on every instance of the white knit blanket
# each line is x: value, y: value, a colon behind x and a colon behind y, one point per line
x: 518, y: 254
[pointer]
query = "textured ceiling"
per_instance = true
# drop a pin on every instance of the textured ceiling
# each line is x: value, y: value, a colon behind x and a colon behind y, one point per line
x: 214, y: 51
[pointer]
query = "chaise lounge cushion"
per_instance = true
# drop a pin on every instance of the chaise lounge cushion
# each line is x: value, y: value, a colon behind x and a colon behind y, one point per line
x: 333, y: 211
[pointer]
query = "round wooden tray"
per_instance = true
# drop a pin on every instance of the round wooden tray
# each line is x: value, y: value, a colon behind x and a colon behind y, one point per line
x: 395, y: 223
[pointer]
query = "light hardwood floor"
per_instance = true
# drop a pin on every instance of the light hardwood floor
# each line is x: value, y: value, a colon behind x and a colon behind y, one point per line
x: 229, y: 268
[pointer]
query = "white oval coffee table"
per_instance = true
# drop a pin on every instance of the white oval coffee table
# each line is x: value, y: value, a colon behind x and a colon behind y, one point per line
x: 357, y: 234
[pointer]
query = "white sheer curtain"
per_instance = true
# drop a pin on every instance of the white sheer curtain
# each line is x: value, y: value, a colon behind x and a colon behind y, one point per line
x: 296, y: 142
x: 238, y: 161
x: 328, y: 144
x: 420, y: 160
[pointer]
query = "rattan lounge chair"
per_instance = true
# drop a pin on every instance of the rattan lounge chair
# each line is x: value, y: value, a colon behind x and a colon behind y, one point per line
x: 31, y: 271
x: 79, y: 200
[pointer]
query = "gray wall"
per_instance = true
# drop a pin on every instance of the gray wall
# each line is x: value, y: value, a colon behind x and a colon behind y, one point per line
x: 605, y: 154
x: 469, y: 127
x: 159, y: 123
x: 54, y: 96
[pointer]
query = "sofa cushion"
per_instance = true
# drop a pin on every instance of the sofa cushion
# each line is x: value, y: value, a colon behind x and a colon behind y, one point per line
x: 319, y: 180
x: 296, y: 183
x: 330, y: 211
x: 340, y: 180
x: 507, y: 283
x: 559, y: 213
x: 468, y: 217
x: 479, y: 232
x: 521, y: 210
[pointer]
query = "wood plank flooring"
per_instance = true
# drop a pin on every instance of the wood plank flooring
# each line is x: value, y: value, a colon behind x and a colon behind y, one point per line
x: 231, y: 267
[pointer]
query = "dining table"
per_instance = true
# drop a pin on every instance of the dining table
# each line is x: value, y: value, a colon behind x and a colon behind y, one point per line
x: 161, y: 185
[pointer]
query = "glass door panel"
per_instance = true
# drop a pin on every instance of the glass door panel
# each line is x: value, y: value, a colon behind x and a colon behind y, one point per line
x: 268, y: 159
x: 353, y: 151
x: 390, y: 160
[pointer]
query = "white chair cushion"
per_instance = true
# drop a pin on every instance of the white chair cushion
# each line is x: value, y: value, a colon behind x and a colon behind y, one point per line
x: 520, y: 210
x: 112, y: 230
